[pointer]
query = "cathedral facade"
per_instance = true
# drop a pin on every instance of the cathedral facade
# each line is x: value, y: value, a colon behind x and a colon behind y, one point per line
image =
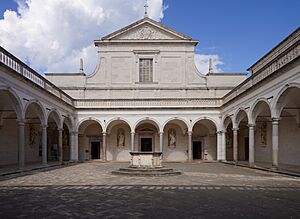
x: 146, y: 95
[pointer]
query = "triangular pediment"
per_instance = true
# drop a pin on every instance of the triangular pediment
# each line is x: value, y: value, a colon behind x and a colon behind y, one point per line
x: 146, y: 29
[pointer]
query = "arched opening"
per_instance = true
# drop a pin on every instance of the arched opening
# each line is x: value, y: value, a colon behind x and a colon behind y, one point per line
x: 288, y: 106
x: 261, y: 115
x: 9, y: 110
x: 34, y: 119
x: 204, y: 140
x: 118, y: 140
x: 53, y: 124
x: 175, y: 140
x: 66, y: 141
x: 90, y: 141
x: 229, y: 138
x: 147, y: 136
x: 241, y: 121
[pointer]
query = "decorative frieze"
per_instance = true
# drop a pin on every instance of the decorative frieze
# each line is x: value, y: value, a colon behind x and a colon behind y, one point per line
x: 148, y: 103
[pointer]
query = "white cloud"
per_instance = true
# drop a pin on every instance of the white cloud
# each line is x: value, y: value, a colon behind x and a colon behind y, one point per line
x: 202, y: 63
x: 53, y: 35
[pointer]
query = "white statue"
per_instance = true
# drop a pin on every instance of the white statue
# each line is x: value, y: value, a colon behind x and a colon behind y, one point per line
x: 172, y: 138
x: 121, y: 138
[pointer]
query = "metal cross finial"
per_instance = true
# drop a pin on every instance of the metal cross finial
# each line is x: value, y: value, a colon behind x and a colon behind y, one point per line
x: 146, y: 6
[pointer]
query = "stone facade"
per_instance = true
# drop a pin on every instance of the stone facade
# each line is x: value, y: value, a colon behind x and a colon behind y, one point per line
x: 178, y: 111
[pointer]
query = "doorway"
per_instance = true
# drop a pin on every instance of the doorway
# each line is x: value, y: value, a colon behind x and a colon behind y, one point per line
x: 146, y: 144
x: 95, y: 150
x: 197, y: 150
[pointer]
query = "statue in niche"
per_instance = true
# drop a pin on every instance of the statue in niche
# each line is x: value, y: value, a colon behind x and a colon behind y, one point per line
x: 32, y: 135
x: 263, y: 134
x: 121, y: 138
x: 172, y: 138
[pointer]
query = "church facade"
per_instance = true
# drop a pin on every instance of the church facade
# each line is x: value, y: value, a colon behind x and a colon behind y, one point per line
x: 146, y: 95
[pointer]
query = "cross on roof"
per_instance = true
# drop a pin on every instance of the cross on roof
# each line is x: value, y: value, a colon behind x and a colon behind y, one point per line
x: 146, y: 6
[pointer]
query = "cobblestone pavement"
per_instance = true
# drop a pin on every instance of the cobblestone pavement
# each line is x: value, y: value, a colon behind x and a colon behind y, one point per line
x: 205, y: 190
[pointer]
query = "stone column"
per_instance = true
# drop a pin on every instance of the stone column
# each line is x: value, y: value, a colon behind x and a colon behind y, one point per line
x: 190, y: 150
x: 21, y: 143
x: 71, y: 142
x: 74, y: 146
x: 161, y: 141
x: 132, y: 141
x: 60, y: 146
x: 223, y: 148
x: 275, y: 142
x: 251, y: 144
x: 44, y: 145
x: 235, y: 144
x: 219, y: 146
x: 104, y: 146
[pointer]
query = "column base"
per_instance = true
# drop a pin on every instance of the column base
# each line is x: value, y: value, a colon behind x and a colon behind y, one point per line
x: 274, y: 168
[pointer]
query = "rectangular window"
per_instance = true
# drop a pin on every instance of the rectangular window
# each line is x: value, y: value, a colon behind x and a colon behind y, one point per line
x: 146, y: 70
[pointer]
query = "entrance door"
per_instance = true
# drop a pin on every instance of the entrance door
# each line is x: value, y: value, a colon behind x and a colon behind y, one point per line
x: 197, y: 150
x: 95, y: 147
x: 146, y: 144
x: 247, y: 148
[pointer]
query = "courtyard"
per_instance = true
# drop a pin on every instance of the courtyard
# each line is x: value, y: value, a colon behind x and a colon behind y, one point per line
x: 204, y: 190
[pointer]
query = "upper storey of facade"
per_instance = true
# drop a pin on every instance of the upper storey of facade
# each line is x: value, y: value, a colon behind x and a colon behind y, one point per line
x: 146, y: 60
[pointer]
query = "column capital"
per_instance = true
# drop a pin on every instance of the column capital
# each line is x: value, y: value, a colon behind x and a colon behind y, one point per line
x: 21, y: 122
x: 60, y: 129
x: 275, y: 121
x: 235, y: 129
x: 161, y: 133
x: 133, y: 133
x: 44, y: 126
x: 251, y: 125
x: 74, y: 133
x: 104, y: 133
x: 190, y: 132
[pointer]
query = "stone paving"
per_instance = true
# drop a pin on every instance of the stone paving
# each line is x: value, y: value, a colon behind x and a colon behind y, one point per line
x: 205, y: 190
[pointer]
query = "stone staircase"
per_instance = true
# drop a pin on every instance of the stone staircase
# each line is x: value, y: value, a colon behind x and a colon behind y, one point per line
x: 147, y: 171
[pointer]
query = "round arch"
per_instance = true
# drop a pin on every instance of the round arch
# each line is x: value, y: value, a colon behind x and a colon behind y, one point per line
x: 111, y: 121
x: 68, y: 121
x: 226, y: 120
x: 275, y: 108
x: 237, y: 119
x: 253, y: 110
x: 88, y: 119
x: 149, y: 120
x: 16, y: 100
x: 56, y: 117
x: 174, y: 119
x: 205, y: 118
x: 40, y: 110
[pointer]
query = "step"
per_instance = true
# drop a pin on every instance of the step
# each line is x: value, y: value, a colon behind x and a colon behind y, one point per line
x: 130, y: 169
x: 144, y: 173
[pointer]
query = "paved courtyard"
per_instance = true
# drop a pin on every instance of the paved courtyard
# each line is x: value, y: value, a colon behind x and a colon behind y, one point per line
x: 204, y: 190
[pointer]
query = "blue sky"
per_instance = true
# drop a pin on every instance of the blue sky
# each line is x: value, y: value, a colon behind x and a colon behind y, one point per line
x: 238, y: 31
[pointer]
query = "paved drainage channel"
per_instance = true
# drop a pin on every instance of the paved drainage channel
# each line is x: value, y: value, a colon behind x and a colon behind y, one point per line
x: 150, y: 187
